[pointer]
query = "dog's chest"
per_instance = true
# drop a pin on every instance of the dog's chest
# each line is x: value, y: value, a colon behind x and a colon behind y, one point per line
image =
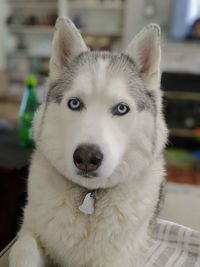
x: 67, y: 234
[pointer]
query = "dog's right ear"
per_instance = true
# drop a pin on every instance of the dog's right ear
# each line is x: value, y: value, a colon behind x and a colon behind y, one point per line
x: 67, y: 44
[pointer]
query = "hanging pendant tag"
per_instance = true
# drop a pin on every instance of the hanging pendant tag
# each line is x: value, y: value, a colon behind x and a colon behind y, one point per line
x: 87, y: 206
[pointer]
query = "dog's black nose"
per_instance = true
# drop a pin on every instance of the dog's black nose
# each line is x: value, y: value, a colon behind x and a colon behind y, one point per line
x: 88, y: 158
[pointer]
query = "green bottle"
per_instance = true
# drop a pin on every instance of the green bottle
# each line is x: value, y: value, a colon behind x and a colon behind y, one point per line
x: 26, y: 113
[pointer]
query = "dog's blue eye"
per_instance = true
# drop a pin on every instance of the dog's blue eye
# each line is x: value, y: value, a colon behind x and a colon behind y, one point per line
x: 120, y: 109
x: 75, y: 104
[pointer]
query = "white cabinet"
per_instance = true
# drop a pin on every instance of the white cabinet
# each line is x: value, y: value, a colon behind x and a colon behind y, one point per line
x: 31, y: 25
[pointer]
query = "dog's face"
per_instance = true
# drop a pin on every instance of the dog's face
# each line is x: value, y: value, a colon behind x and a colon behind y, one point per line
x: 101, y: 122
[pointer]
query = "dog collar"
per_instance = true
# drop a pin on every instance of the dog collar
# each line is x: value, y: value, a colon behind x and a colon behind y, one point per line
x: 87, y: 206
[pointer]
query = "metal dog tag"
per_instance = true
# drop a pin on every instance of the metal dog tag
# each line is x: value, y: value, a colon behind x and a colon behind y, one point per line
x: 87, y: 206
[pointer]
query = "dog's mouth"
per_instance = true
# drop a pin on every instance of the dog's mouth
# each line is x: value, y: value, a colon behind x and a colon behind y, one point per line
x: 88, y: 174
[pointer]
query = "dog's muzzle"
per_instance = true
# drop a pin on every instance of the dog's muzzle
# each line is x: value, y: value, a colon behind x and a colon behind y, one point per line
x: 88, y: 158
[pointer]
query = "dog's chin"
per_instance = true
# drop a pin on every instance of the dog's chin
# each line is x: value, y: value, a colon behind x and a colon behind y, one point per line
x: 90, y: 181
x: 90, y: 175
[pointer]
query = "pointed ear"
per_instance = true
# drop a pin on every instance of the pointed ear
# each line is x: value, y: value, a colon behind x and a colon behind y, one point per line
x: 145, y: 51
x: 67, y: 44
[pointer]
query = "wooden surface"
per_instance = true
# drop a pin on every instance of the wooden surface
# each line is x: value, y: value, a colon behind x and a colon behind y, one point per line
x: 9, y: 108
x: 183, y: 176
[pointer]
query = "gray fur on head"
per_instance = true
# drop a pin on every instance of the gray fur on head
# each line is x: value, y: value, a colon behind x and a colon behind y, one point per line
x: 118, y: 64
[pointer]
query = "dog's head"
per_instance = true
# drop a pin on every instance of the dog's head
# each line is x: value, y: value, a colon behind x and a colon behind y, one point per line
x: 101, y: 122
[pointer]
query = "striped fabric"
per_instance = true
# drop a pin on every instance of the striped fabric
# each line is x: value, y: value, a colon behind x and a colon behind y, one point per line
x: 173, y: 245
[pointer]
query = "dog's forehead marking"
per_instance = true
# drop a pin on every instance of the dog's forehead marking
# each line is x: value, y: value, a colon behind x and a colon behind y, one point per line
x: 99, y: 80
x: 92, y: 79
x: 101, y: 74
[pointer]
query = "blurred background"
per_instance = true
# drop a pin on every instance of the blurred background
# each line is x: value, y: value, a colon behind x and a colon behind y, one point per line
x: 26, y: 30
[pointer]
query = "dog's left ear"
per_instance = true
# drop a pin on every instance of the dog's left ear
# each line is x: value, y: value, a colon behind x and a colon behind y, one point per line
x: 145, y: 51
x: 67, y: 44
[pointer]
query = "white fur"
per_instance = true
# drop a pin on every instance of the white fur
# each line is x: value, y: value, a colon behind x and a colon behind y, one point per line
x: 129, y: 177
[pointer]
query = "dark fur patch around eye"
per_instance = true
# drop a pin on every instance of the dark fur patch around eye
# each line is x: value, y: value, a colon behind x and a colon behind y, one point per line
x: 148, y: 102
x: 55, y: 93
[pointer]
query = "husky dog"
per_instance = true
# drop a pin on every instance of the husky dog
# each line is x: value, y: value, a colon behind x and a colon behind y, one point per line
x: 97, y: 169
